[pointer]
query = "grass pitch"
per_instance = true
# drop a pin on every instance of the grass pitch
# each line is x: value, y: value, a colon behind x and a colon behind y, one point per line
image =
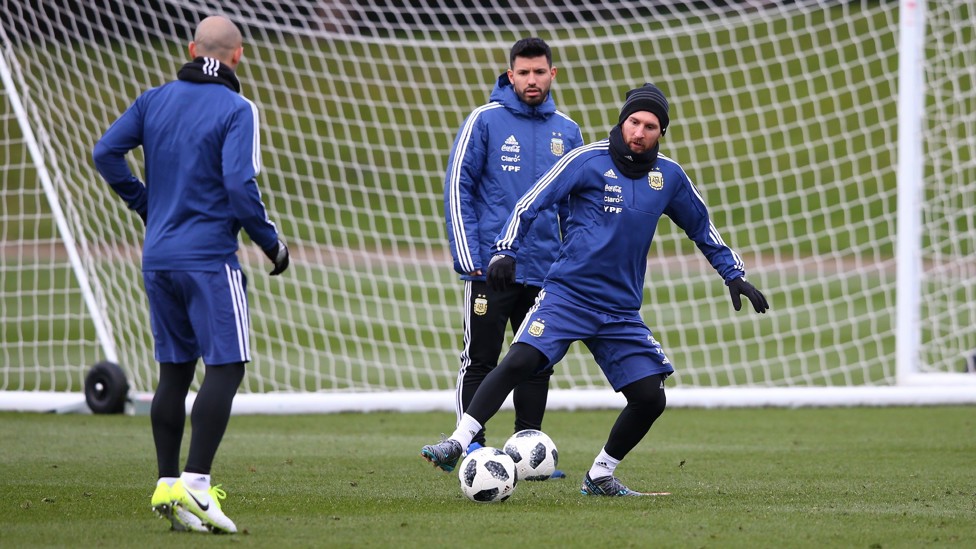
x: 843, y: 477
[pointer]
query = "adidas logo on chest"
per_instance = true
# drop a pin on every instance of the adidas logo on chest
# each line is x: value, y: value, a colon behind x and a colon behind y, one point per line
x: 511, y: 145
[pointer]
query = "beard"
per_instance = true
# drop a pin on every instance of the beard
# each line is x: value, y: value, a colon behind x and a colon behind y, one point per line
x: 639, y: 145
x: 535, y: 100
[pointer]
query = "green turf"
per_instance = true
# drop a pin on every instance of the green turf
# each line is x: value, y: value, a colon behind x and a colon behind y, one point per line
x: 868, y: 478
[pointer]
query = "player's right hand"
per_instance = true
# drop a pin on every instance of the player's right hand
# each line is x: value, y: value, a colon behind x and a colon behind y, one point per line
x: 278, y: 254
x: 501, y: 272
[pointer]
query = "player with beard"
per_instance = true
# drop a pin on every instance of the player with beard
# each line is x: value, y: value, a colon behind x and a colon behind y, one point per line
x: 618, y: 188
x: 502, y: 148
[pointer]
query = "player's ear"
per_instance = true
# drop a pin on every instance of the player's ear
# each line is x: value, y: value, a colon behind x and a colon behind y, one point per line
x: 511, y: 76
x: 552, y: 72
x: 238, y: 54
x: 192, y: 49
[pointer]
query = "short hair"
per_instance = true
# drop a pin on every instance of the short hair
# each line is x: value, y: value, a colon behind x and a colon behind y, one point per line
x: 530, y: 47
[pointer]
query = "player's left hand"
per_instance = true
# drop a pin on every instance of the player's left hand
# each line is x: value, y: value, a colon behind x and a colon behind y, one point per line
x: 278, y: 254
x: 501, y: 272
x: 739, y: 287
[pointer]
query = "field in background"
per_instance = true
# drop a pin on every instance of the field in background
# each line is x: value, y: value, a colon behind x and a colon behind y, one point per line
x: 668, y: 312
x: 846, y: 477
x: 784, y: 117
x: 400, y: 183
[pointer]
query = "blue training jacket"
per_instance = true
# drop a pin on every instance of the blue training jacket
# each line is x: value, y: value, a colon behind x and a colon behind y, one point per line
x: 500, y: 151
x: 612, y: 220
x: 202, y: 154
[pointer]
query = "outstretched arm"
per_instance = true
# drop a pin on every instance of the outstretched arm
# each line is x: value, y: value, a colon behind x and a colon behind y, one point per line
x: 554, y: 186
x: 689, y: 212
x: 739, y: 287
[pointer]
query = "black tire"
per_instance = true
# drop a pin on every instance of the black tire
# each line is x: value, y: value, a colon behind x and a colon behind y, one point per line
x: 106, y: 388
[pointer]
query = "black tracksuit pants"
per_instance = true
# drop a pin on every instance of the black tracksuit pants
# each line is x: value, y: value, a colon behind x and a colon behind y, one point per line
x: 487, y: 317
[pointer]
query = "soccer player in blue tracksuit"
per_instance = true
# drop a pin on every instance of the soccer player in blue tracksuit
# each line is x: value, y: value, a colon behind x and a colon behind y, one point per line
x: 200, y: 139
x: 502, y: 148
x: 618, y: 189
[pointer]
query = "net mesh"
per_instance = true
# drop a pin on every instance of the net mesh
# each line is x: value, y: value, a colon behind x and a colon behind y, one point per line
x: 783, y: 113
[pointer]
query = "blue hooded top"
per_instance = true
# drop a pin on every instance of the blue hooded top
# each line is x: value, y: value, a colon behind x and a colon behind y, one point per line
x: 202, y: 155
x: 502, y: 148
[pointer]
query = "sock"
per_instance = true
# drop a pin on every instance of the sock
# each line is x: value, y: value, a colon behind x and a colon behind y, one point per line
x: 169, y: 481
x: 467, y: 428
x: 196, y: 481
x: 603, y: 465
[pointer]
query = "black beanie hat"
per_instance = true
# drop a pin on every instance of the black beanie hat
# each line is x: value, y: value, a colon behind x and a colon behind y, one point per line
x: 648, y: 98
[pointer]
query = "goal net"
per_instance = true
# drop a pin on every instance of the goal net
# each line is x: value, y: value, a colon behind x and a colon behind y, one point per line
x: 785, y: 114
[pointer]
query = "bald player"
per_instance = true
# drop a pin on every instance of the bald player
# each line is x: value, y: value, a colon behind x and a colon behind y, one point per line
x: 200, y: 139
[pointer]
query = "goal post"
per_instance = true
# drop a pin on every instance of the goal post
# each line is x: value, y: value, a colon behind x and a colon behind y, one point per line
x: 921, y: 307
x: 832, y: 140
x: 911, y: 105
x: 65, y: 232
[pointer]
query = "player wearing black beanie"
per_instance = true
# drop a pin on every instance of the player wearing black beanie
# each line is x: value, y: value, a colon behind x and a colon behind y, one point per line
x: 616, y: 191
x: 648, y: 98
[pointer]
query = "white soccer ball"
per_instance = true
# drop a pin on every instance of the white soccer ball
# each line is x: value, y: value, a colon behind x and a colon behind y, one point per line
x: 487, y: 475
x: 534, y: 454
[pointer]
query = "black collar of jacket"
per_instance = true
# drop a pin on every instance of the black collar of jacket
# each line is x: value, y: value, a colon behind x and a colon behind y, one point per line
x: 631, y: 164
x: 208, y: 70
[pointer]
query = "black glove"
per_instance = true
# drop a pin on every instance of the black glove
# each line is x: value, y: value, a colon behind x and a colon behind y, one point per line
x: 278, y: 254
x: 501, y: 272
x: 739, y: 287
